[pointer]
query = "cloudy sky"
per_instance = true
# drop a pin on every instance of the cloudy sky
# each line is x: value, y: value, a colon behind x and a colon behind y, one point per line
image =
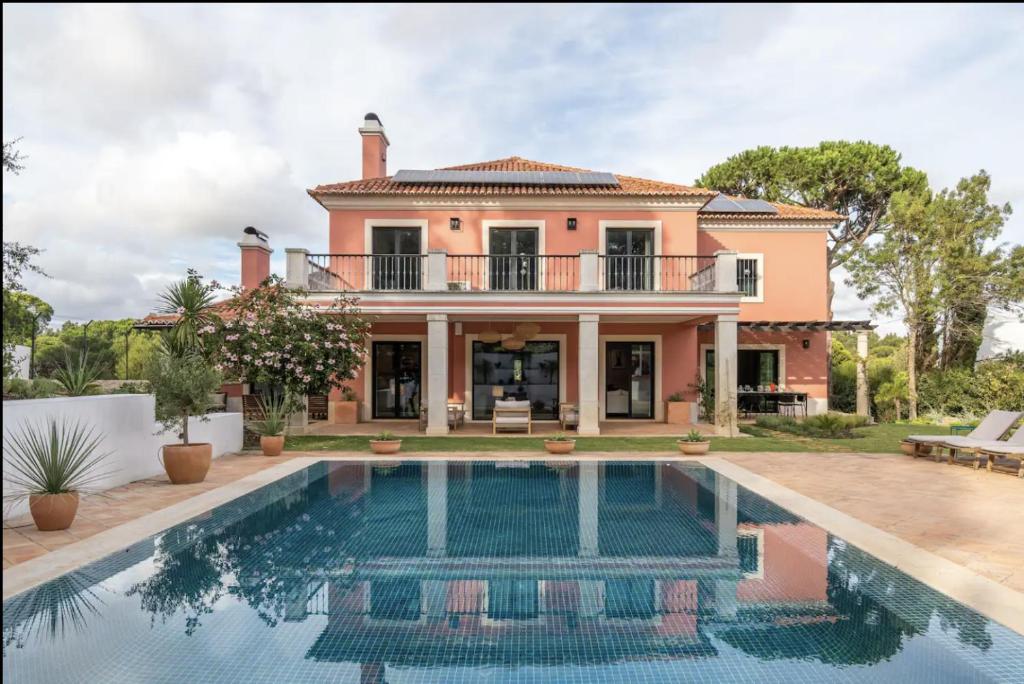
x: 154, y: 134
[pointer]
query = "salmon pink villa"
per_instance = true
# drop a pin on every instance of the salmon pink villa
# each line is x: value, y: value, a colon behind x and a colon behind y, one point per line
x: 520, y: 280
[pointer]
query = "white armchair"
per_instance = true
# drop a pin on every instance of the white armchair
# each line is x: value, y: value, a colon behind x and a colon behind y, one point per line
x: 511, y: 415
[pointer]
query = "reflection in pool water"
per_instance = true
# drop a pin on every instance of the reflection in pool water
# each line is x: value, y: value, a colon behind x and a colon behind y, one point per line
x: 532, y: 572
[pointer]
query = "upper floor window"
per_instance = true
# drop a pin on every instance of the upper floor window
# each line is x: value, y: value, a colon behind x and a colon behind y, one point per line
x: 396, y: 260
x: 750, y: 276
x: 629, y: 262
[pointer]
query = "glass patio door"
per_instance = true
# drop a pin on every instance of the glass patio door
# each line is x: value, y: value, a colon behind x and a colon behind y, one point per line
x: 396, y: 261
x: 396, y: 379
x: 629, y: 259
x: 629, y: 380
x: 513, y: 260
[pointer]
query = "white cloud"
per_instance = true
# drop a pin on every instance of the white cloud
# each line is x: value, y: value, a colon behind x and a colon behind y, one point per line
x: 154, y: 133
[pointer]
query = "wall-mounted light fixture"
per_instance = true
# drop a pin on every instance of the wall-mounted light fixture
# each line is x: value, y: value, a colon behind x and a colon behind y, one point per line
x: 570, y: 223
x: 806, y: 344
x: 455, y: 223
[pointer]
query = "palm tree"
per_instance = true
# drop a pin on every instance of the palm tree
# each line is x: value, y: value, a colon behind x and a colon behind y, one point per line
x: 191, y: 300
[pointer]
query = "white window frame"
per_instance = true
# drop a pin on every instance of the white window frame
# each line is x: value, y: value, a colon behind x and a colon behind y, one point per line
x: 759, y: 258
x: 467, y: 385
x: 370, y: 370
x: 602, y: 236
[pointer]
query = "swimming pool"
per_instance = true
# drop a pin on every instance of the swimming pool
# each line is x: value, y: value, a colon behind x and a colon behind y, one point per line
x: 498, y: 571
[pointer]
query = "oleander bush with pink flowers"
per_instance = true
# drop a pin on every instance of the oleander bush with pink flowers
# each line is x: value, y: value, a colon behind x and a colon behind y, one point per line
x: 271, y: 335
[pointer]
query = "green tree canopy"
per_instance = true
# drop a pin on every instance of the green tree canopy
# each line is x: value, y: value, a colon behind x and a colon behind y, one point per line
x: 854, y: 179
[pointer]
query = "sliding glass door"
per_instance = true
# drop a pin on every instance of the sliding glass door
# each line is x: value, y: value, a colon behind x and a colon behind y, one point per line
x: 629, y: 380
x: 396, y: 261
x: 629, y: 259
x: 396, y: 379
x: 513, y: 261
x: 530, y: 373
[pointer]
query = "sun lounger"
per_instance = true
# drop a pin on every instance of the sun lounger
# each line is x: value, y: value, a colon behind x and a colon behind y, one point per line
x: 511, y: 415
x: 990, y: 429
x: 1008, y: 458
x: 963, y: 452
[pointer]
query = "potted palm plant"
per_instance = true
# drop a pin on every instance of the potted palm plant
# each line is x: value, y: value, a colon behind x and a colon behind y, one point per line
x: 560, y: 444
x: 694, y: 444
x: 181, y: 382
x: 385, y: 443
x: 50, y: 465
x: 271, y: 428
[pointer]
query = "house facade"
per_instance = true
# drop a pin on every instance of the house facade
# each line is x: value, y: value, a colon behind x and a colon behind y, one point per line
x: 520, y: 279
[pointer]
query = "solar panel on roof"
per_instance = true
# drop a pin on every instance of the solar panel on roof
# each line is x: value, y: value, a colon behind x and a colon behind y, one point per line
x: 566, y: 178
x: 739, y: 205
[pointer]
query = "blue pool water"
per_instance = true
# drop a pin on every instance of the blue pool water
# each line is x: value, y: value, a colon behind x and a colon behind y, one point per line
x: 465, y: 572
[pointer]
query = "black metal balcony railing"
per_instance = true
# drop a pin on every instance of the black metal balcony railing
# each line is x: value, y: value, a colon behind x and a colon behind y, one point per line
x: 511, y: 273
x: 640, y: 273
x: 367, y: 272
x: 504, y: 272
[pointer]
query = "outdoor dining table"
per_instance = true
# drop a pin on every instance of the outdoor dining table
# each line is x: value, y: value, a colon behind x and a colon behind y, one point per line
x: 767, y: 402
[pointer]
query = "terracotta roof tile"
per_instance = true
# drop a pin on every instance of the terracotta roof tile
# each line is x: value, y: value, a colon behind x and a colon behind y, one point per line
x: 628, y: 185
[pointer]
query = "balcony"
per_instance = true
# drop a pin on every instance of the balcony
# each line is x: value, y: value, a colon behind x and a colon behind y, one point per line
x: 493, y: 273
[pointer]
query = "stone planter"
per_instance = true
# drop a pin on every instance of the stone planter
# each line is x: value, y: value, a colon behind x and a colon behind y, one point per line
x: 52, y: 512
x: 343, y: 412
x: 559, y: 446
x: 272, y: 445
x: 922, y: 449
x: 677, y: 412
x: 694, y: 448
x: 385, y: 446
x: 187, y: 463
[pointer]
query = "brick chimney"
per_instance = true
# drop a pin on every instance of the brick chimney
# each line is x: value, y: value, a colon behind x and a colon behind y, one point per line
x: 255, y: 257
x: 375, y: 147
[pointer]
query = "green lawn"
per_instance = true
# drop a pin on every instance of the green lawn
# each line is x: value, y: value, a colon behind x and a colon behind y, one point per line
x: 874, y: 439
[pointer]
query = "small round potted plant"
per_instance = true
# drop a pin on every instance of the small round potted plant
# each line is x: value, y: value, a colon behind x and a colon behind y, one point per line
x: 560, y: 444
x: 50, y: 465
x: 385, y: 443
x: 271, y: 428
x: 694, y: 444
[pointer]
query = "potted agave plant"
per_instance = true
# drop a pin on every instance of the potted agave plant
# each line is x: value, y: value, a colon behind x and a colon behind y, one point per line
x: 50, y: 464
x: 694, y: 444
x: 560, y: 444
x: 385, y: 443
x: 271, y: 428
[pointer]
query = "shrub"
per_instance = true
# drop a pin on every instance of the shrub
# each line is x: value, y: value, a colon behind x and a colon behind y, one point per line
x: 275, y: 418
x: 77, y: 376
x: 823, y: 426
x: 182, y: 384
x: 131, y: 388
x: 20, y: 388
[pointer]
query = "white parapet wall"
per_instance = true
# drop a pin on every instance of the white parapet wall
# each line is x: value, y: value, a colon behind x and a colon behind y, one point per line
x: 129, y: 431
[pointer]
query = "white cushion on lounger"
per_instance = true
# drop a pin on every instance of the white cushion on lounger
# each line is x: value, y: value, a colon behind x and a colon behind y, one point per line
x: 512, y: 404
x: 511, y: 420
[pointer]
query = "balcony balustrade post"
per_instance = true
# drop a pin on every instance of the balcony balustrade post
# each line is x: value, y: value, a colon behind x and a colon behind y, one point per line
x: 589, y: 267
x: 296, y: 267
x: 437, y: 270
x: 725, y: 271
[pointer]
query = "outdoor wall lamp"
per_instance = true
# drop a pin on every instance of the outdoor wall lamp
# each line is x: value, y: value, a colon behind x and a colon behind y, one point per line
x: 455, y: 223
x: 570, y: 223
x: 806, y: 344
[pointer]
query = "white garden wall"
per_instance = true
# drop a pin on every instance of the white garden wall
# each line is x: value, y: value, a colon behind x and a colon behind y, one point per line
x: 130, y: 433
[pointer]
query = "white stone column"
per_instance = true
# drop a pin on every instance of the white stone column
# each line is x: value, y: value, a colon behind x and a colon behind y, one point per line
x: 588, y: 495
x: 726, y: 515
x: 863, y: 403
x: 437, y: 270
x: 437, y: 508
x: 437, y: 374
x: 296, y: 267
x: 589, y: 419
x: 726, y: 374
x: 589, y: 267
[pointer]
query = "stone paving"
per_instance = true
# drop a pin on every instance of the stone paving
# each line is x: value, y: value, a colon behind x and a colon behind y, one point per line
x: 971, y: 518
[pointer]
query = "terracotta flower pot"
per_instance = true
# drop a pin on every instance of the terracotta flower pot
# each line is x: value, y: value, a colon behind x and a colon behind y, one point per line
x: 272, y: 445
x: 385, y: 446
x: 694, y: 448
x: 187, y: 463
x: 53, y: 511
x: 559, y: 446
